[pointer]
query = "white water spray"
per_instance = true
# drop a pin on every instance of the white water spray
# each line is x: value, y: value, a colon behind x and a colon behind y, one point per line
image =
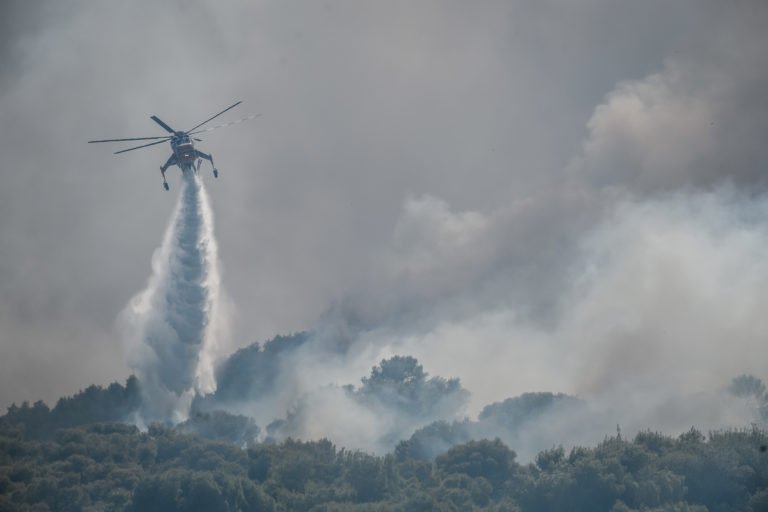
x: 177, y: 324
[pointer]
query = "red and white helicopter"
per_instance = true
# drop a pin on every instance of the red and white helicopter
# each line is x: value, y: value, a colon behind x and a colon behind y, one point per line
x: 184, y: 152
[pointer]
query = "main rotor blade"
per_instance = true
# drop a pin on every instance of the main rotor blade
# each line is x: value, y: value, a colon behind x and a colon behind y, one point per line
x: 158, y: 121
x: 214, y: 117
x: 226, y: 124
x: 138, y: 147
x: 134, y: 138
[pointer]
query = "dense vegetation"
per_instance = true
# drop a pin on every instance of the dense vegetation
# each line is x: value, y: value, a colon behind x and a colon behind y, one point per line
x: 92, y: 405
x: 81, y: 455
x: 113, y: 466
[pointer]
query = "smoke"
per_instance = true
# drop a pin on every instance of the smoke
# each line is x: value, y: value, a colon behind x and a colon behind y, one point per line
x: 632, y: 278
x: 635, y: 281
x: 175, y: 327
x: 660, y: 306
x: 635, y: 335
x: 395, y: 400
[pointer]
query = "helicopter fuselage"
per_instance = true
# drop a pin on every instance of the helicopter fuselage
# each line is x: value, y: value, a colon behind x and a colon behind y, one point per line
x: 183, y: 149
x: 184, y: 155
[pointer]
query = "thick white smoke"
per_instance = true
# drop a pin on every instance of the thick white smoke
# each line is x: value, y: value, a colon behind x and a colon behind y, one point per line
x: 176, y: 325
x: 661, y: 307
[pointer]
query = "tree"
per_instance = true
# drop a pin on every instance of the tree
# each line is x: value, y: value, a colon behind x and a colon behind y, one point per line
x: 492, y: 460
x: 747, y: 386
x: 400, y: 383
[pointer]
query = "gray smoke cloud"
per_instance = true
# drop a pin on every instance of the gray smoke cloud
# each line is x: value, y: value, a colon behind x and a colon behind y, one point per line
x: 661, y: 308
x: 175, y: 328
x: 634, y: 281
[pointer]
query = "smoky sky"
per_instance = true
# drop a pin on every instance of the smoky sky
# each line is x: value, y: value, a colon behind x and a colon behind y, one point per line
x: 424, y: 176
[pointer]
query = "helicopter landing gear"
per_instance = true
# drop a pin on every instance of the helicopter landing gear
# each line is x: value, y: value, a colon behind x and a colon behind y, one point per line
x: 165, y: 183
x: 215, y: 170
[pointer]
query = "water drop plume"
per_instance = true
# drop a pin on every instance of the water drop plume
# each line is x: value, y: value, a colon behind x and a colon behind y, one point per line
x: 175, y: 327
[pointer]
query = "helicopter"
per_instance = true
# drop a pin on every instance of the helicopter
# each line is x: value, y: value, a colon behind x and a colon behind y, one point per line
x: 184, y: 152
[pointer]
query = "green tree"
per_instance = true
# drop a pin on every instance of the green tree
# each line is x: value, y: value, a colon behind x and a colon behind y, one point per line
x: 492, y: 460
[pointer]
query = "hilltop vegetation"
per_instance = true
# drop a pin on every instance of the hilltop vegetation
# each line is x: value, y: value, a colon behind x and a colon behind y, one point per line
x: 115, y: 467
x: 86, y: 454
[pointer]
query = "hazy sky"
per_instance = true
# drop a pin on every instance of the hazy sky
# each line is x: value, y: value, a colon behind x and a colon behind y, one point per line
x: 482, y: 184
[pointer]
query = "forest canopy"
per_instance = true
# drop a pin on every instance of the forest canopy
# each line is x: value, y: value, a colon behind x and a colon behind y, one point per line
x: 81, y: 456
x: 114, y: 466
